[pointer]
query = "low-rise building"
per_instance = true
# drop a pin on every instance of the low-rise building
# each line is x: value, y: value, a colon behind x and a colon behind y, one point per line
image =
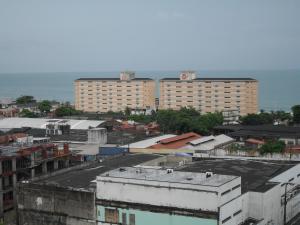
x: 68, y: 198
x: 139, y: 196
x: 247, y: 192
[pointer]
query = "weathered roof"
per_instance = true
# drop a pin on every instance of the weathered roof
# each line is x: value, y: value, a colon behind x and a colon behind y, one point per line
x: 15, y: 122
x: 268, y: 131
x: 82, y: 178
x: 148, y: 174
x: 256, y: 175
x: 149, y: 142
x: 209, y: 142
x: 177, y: 141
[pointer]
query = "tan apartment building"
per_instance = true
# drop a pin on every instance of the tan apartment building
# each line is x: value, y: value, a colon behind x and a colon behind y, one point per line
x: 114, y: 94
x: 209, y: 94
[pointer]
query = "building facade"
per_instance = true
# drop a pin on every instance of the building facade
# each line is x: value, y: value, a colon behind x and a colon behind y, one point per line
x: 114, y: 94
x: 139, y: 196
x: 209, y: 94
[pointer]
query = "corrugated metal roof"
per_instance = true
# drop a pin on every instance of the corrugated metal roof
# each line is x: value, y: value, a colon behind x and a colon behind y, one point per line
x: 149, y: 142
x: 14, y: 122
x: 209, y: 143
x: 176, y: 142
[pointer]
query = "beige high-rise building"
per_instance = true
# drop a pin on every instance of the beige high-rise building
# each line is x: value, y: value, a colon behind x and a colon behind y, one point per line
x: 209, y: 94
x: 114, y: 94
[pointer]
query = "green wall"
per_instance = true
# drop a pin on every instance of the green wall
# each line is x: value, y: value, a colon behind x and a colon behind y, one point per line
x: 151, y: 218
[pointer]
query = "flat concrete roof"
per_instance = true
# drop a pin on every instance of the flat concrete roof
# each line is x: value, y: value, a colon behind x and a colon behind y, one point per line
x: 82, y: 178
x: 255, y: 174
x: 148, y: 174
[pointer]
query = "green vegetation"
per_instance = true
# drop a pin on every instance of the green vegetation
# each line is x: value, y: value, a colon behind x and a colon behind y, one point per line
x: 28, y: 114
x: 272, y: 146
x: 296, y: 113
x: 265, y: 118
x: 181, y: 121
x: 45, y: 106
x: 25, y: 99
x: 66, y: 110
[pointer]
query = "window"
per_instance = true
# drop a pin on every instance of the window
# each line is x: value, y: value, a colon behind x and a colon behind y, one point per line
x: 225, y: 220
x: 237, y: 213
x: 236, y: 187
x: 124, y: 219
x: 131, y: 219
x: 225, y: 192
x: 111, y: 215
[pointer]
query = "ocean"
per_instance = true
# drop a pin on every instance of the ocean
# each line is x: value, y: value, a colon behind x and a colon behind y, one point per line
x: 278, y: 90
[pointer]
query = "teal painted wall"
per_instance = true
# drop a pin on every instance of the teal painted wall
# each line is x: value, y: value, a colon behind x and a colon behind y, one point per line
x: 151, y: 218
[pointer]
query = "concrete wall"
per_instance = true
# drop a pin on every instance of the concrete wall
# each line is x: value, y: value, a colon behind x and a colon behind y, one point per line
x: 232, y: 210
x: 97, y: 136
x: 177, y: 195
x: 47, y: 205
x: 221, y: 153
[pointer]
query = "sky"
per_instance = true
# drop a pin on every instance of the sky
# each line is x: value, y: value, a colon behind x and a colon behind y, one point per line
x: 141, y: 35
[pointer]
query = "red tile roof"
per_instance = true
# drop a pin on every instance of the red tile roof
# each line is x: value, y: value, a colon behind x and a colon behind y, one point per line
x: 176, y: 142
x: 255, y: 141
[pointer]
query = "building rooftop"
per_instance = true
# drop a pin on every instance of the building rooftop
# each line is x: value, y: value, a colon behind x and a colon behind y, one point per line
x: 259, y: 130
x: 210, y: 142
x: 212, y: 79
x: 176, y: 141
x: 149, y: 142
x: 148, y: 174
x: 16, y: 122
x: 255, y: 174
x: 82, y: 178
x: 111, y: 79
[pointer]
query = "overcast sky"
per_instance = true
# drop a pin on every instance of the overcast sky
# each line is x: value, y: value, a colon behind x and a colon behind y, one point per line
x: 113, y: 35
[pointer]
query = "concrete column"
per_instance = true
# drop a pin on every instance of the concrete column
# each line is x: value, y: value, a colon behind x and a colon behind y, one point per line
x: 44, y: 167
x: 14, y: 180
x: 32, y: 160
x: 1, y: 168
x: 55, y: 164
x: 14, y: 164
x: 32, y: 164
x: 67, y: 163
x: 32, y: 173
x: 1, y: 205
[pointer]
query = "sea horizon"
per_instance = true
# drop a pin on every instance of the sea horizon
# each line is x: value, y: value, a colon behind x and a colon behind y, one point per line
x: 277, y: 88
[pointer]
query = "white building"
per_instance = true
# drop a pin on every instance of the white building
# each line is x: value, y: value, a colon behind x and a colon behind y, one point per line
x: 143, y: 196
x: 192, y: 198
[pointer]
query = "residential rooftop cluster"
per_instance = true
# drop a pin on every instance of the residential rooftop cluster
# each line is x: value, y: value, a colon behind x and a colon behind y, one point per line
x: 98, y: 171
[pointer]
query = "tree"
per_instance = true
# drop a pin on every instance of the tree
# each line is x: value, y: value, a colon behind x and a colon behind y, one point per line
x: 296, y: 113
x: 45, y: 106
x: 28, y: 114
x: 187, y: 120
x: 127, y: 111
x: 66, y: 111
x: 272, y: 146
x: 257, y: 119
x: 25, y: 99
